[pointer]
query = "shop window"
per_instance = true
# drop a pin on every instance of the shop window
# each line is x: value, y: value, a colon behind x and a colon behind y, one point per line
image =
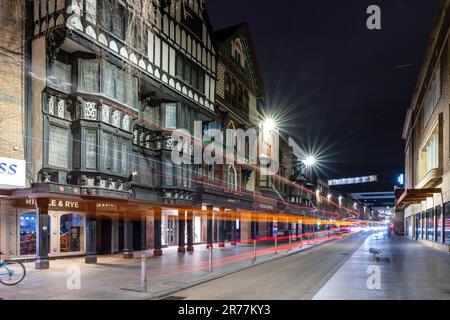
x: 439, y: 224
x: 58, y: 147
x: 27, y: 222
x: 71, y: 233
x: 424, y: 225
x: 417, y: 226
x: 430, y: 225
x: 447, y: 223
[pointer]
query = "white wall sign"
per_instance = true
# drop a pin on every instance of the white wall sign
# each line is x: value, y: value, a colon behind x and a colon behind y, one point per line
x: 12, y: 173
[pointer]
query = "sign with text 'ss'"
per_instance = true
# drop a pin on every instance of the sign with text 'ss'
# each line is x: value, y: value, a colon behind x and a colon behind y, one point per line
x: 12, y: 173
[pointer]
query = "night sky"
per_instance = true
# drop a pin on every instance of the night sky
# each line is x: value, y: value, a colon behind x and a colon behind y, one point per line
x: 344, y: 88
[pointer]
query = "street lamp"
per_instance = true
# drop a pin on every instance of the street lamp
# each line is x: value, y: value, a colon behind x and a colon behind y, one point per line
x: 269, y: 125
x: 310, y: 161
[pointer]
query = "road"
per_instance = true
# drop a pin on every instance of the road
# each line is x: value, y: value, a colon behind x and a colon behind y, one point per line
x: 296, y: 277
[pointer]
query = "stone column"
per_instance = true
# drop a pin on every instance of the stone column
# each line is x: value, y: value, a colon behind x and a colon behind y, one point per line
x: 91, y: 235
x: 190, y: 231
x: 209, y: 227
x: 42, y: 234
x: 157, y: 216
x: 222, y: 228
x: 127, y: 238
x: 181, y: 231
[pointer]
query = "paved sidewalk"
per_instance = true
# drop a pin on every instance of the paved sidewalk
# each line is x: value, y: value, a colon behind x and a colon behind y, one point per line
x: 115, y: 278
x: 408, y: 271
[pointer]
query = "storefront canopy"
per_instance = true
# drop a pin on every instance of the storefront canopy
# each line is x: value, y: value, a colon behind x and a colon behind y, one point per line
x: 414, y: 196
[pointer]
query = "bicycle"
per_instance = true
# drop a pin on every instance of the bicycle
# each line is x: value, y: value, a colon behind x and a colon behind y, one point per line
x: 11, y: 272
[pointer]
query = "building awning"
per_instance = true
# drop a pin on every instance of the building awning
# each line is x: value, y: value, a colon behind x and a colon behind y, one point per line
x: 414, y: 196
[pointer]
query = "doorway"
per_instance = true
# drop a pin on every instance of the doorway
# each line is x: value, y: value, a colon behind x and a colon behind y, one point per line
x: 171, y: 231
x: 104, y: 235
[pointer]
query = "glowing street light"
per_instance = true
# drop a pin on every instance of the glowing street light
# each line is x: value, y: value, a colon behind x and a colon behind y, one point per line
x: 310, y: 161
x: 269, y: 125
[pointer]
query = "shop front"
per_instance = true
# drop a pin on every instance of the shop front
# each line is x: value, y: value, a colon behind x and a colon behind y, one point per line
x: 67, y: 228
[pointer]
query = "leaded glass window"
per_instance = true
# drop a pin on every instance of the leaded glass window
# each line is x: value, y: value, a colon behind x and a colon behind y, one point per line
x: 88, y: 81
x: 91, y: 149
x: 60, y: 76
x: 124, y: 157
x: 58, y: 147
x: 115, y: 154
x: 171, y: 116
x: 168, y: 173
x: 106, y: 151
x: 109, y: 74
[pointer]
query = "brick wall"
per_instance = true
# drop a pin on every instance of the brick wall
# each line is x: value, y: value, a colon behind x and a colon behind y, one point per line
x: 11, y: 79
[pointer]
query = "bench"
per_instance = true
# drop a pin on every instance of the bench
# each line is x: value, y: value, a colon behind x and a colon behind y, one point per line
x: 375, y: 252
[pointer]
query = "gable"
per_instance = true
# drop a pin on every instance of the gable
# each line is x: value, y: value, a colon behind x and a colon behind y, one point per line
x: 236, y: 49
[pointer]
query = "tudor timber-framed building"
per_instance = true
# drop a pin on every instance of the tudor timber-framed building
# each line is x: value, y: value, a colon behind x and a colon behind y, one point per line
x: 93, y: 123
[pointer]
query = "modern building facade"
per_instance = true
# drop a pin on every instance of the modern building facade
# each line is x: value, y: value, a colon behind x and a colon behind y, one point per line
x: 102, y: 90
x: 426, y: 197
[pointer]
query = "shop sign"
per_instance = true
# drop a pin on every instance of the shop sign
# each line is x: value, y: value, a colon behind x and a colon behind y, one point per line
x: 12, y: 173
x: 54, y: 204
x: 264, y: 206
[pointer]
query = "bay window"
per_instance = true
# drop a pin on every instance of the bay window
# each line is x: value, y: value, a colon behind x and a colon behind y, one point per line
x: 430, y: 154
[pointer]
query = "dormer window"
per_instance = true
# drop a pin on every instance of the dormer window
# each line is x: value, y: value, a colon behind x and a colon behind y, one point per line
x: 237, y: 52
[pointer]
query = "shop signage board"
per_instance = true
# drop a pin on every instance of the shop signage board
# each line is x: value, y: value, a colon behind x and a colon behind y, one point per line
x: 12, y: 173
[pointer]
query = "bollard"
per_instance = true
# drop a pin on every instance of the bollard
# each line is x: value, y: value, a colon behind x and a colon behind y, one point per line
x: 254, y: 251
x: 210, y: 259
x: 276, y: 245
x: 143, y: 273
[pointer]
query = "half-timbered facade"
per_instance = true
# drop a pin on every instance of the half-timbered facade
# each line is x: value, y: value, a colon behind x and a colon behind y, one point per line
x: 108, y: 86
